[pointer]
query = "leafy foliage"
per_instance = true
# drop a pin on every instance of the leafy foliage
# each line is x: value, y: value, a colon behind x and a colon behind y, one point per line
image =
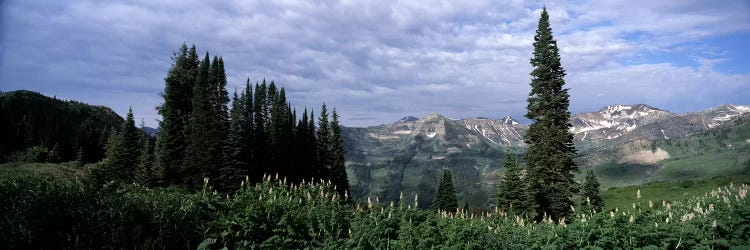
x: 39, y: 212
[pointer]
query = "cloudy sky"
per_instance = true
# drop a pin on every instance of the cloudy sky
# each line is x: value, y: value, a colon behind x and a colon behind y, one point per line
x: 377, y: 61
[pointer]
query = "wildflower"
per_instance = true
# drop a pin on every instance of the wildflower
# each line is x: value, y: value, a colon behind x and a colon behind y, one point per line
x: 631, y: 219
x: 638, y: 194
x: 650, y: 204
x: 369, y: 202
x: 713, y: 224
x: 611, y: 214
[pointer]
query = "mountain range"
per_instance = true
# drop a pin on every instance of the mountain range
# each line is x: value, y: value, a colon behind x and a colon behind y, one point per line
x: 624, y: 144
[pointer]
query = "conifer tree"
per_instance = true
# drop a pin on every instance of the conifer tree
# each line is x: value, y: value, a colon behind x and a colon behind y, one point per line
x: 260, y: 139
x: 235, y: 159
x: 249, y: 128
x: 80, y: 158
x: 175, y: 111
x: 323, y: 146
x: 445, y: 198
x: 512, y: 195
x: 338, y: 168
x: 551, y: 151
x: 200, y: 163
x: 590, y: 194
x: 123, y: 151
x: 144, y: 171
x: 220, y: 117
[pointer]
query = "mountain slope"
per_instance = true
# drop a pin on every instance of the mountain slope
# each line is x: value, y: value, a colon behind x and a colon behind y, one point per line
x: 625, y: 144
x: 32, y: 119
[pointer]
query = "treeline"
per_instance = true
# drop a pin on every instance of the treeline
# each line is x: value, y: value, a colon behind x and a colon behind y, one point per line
x: 37, y: 128
x: 202, y: 136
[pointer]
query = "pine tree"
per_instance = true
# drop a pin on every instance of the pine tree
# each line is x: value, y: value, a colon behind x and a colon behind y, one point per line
x: 551, y: 151
x: 260, y: 138
x: 174, y: 132
x: 512, y: 195
x: 80, y: 158
x: 237, y: 148
x: 590, y: 194
x: 323, y: 146
x: 123, y: 151
x: 144, y: 172
x: 338, y: 167
x: 445, y: 198
x: 200, y: 163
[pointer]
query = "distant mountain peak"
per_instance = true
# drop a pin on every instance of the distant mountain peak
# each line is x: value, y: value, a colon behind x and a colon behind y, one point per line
x: 509, y: 120
x: 628, y: 108
x: 407, y: 119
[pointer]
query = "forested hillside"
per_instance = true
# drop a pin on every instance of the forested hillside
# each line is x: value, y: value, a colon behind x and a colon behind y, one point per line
x: 58, y: 127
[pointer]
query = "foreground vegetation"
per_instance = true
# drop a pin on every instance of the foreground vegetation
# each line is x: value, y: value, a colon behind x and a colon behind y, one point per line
x: 45, y: 212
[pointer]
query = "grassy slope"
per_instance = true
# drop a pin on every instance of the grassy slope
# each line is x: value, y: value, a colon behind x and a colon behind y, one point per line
x: 624, y: 197
x: 58, y: 170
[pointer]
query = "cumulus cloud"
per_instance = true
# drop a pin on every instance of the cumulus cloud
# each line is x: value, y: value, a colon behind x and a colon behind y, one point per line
x: 376, y: 61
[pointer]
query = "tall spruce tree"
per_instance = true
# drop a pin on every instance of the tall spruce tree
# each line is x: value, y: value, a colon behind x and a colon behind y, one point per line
x: 144, y: 171
x: 260, y: 139
x: 551, y: 151
x: 237, y: 147
x: 590, y: 194
x: 338, y: 167
x: 200, y: 163
x: 323, y: 146
x: 123, y: 151
x: 220, y: 117
x: 249, y: 129
x: 174, y: 132
x: 512, y: 195
x: 445, y: 198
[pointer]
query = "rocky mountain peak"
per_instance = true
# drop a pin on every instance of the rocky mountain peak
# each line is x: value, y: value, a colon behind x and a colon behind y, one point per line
x: 407, y: 119
x: 509, y: 120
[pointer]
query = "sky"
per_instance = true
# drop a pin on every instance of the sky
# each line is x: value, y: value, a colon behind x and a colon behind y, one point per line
x: 377, y: 61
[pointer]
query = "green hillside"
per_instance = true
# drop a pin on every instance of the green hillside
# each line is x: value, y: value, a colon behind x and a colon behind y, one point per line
x: 63, y: 127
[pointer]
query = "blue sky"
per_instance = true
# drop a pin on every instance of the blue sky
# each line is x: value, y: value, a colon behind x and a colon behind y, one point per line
x: 377, y: 61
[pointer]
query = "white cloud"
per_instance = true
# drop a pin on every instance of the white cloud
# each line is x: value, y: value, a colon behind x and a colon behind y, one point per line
x: 375, y: 60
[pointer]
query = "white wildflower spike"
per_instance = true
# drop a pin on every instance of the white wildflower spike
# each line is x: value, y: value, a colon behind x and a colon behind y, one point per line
x: 631, y: 219
x: 416, y: 200
x: 205, y: 181
x: 638, y: 194
x: 572, y: 208
x: 369, y: 202
x: 713, y: 224
x: 656, y: 224
x: 588, y: 201
x: 650, y: 204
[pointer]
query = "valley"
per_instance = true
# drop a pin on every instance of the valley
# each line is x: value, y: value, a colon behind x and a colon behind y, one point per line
x: 624, y: 145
